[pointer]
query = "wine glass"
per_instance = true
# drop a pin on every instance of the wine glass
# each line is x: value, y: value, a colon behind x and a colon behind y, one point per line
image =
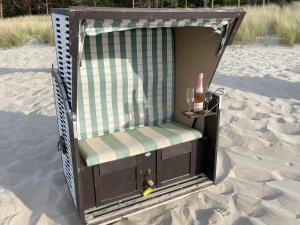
x: 189, y: 98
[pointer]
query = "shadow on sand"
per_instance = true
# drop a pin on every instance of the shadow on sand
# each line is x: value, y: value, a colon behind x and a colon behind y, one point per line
x: 32, y: 170
x: 266, y: 86
x: 6, y: 70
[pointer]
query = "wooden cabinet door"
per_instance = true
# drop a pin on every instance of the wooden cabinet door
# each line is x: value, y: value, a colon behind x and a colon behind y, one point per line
x: 176, y: 163
x: 116, y: 180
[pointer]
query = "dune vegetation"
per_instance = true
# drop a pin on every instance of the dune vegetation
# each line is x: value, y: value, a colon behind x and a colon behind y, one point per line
x: 270, y: 20
x: 17, y: 31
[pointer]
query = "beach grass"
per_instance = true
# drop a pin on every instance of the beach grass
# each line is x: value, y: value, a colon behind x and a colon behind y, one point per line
x: 271, y: 20
x: 17, y: 31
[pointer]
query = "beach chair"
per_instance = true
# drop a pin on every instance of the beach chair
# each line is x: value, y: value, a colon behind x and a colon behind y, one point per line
x: 120, y: 93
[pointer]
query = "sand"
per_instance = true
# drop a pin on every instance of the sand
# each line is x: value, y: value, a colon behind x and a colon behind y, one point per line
x: 259, y: 148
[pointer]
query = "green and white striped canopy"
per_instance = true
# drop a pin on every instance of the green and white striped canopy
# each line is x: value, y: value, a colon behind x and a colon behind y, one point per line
x: 92, y: 27
x: 126, y: 74
x: 125, y: 81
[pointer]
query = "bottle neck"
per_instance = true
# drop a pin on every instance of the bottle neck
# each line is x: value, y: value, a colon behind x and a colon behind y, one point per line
x: 199, y: 87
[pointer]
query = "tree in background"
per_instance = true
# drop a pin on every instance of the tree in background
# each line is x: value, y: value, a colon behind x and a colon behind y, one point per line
x: 1, y: 9
x: 10, y: 8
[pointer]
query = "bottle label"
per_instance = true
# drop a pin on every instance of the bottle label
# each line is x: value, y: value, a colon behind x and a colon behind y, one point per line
x: 198, y: 106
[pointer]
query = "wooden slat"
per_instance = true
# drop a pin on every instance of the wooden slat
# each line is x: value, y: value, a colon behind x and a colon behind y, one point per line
x: 137, y: 196
x: 154, y: 201
x: 161, y: 196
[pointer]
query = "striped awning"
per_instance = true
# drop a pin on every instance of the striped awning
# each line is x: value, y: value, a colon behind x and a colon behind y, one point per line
x: 92, y: 27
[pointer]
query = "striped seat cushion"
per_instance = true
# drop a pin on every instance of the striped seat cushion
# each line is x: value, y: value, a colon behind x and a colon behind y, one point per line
x: 125, y: 81
x: 118, y: 145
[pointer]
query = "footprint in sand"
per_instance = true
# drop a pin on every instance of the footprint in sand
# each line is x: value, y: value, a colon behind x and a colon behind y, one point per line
x: 212, y: 221
x: 237, y: 107
x: 263, y: 130
x: 222, y: 212
x: 283, y: 127
x: 251, y: 174
x: 249, y: 205
x: 259, y: 116
x: 217, y: 216
x: 258, y: 157
x: 184, y: 211
x: 289, y: 175
x: 233, y: 119
x: 290, y: 164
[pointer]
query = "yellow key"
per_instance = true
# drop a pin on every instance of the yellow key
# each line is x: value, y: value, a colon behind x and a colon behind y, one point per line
x: 147, y: 191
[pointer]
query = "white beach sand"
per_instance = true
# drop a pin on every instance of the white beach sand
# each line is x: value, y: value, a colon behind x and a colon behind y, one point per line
x: 259, y: 148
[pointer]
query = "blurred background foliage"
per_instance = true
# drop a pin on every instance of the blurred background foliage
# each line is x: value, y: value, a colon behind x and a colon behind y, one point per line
x: 25, y: 20
x: 12, y: 8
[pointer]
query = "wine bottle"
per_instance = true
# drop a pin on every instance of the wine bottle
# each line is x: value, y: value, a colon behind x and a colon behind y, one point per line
x: 198, y: 103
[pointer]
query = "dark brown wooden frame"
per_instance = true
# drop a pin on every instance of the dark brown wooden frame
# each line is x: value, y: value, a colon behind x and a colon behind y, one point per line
x: 137, y: 166
x: 211, y: 124
x: 206, y: 147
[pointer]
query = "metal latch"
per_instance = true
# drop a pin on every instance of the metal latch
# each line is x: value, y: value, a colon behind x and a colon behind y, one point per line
x: 61, y: 146
x: 149, y: 183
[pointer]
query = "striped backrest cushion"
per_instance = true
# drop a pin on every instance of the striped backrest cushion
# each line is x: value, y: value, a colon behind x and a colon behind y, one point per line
x: 125, y: 81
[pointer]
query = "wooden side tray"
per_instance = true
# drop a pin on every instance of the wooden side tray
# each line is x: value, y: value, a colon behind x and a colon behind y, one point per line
x: 199, y: 115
